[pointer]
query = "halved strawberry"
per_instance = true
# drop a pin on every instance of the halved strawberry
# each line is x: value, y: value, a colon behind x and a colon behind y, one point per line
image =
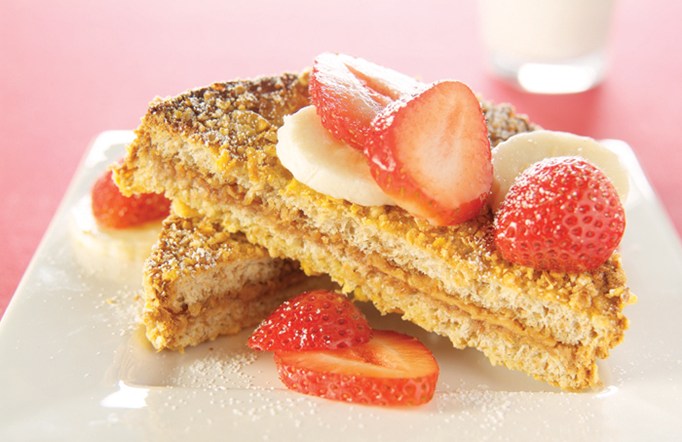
x: 113, y: 210
x: 560, y: 214
x: 349, y: 92
x: 431, y: 153
x: 390, y: 369
x: 311, y: 321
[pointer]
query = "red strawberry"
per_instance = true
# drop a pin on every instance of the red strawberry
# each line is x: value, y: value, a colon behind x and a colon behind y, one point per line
x: 560, y: 214
x: 312, y: 321
x: 431, y: 153
x: 390, y: 369
x: 113, y: 210
x: 349, y: 92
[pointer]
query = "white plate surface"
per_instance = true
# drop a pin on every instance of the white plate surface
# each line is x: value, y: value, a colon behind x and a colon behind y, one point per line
x: 74, y: 364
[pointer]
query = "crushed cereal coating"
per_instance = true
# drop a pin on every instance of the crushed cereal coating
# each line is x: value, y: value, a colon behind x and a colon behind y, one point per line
x: 202, y: 282
x: 217, y: 156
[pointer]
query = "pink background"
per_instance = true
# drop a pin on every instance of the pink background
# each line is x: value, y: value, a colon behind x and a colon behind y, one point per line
x: 71, y: 69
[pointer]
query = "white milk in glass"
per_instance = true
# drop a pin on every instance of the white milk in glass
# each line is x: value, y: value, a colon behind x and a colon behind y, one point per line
x: 547, y: 46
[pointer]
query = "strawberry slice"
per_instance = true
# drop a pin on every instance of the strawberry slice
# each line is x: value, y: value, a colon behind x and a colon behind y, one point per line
x: 431, y: 153
x: 561, y: 214
x: 113, y: 210
x: 390, y: 369
x: 349, y: 92
x: 311, y: 321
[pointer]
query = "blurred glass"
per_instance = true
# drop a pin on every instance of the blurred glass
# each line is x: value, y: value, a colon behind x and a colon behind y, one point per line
x: 547, y: 46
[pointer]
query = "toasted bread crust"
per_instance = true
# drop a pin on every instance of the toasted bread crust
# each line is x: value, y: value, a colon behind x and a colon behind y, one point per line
x: 201, y: 282
x: 214, y: 149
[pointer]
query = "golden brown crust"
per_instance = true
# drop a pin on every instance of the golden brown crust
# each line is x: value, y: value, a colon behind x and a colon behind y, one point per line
x: 201, y: 282
x: 216, y: 153
x: 503, y: 121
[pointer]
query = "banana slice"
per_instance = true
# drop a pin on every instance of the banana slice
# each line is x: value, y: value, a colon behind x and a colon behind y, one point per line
x: 325, y: 164
x: 513, y: 156
x: 112, y: 254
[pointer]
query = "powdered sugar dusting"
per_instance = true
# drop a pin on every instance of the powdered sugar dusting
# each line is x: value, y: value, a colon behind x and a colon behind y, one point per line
x: 217, y: 373
x: 497, y: 414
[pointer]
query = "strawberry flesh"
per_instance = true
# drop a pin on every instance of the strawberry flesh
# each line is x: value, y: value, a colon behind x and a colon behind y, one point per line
x: 561, y: 214
x: 427, y: 146
x: 431, y: 153
x: 311, y: 321
x: 349, y: 92
x: 113, y: 210
x: 386, y: 82
x: 391, y: 369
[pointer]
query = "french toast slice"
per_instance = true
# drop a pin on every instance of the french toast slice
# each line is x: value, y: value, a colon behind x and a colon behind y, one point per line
x: 201, y: 282
x: 213, y: 149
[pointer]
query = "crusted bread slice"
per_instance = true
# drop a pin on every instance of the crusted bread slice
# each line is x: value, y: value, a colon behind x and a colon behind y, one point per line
x: 201, y: 282
x: 214, y: 149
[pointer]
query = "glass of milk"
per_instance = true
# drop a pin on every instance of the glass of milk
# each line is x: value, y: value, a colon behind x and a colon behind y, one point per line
x: 547, y: 46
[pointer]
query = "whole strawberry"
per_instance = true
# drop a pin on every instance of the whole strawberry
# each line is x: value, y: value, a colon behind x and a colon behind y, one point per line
x: 561, y: 214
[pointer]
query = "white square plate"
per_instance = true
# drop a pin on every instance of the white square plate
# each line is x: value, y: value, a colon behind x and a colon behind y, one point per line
x: 74, y: 365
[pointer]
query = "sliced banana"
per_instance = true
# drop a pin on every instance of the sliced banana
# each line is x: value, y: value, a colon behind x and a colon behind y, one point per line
x: 513, y: 156
x: 112, y: 254
x: 325, y: 164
